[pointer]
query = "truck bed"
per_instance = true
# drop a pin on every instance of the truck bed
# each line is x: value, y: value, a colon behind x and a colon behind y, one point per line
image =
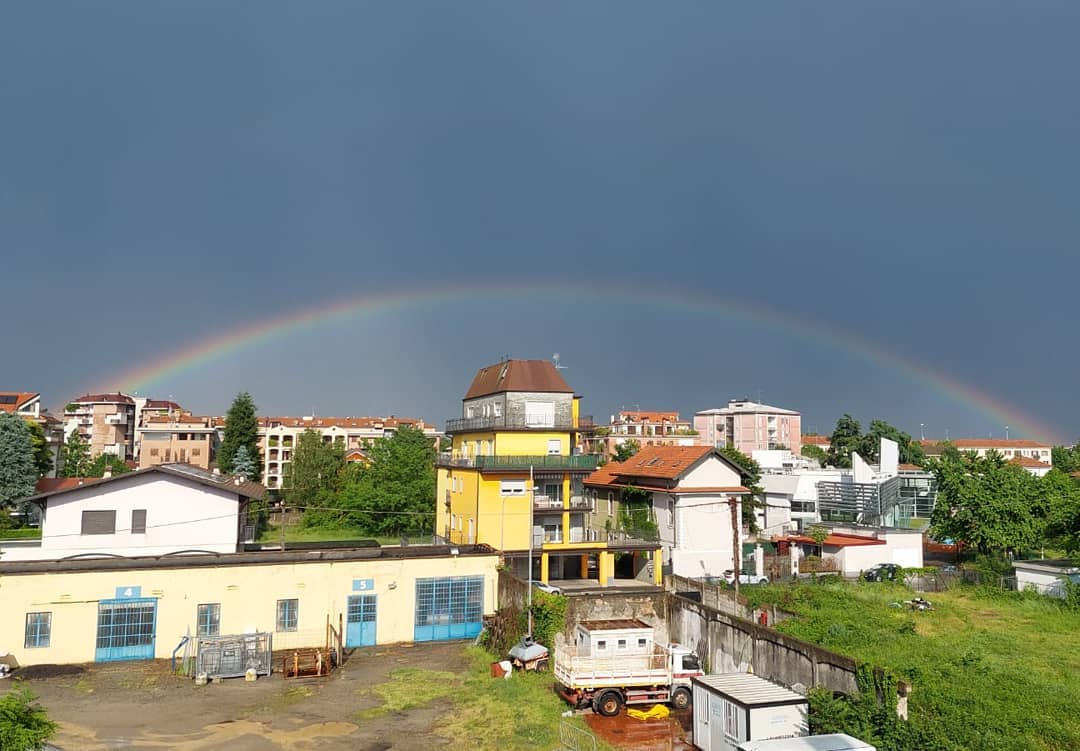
x: 578, y: 671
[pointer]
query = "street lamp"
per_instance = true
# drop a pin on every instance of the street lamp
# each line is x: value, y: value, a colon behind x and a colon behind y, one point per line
x: 922, y: 431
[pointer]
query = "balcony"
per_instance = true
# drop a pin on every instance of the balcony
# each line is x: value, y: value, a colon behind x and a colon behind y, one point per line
x: 584, y: 462
x: 546, y: 504
x: 505, y: 422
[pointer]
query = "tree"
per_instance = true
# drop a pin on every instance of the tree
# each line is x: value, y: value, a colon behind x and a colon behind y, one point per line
x: 988, y: 503
x: 626, y: 449
x: 1063, y: 510
x: 102, y: 462
x: 241, y: 429
x: 1065, y: 458
x: 846, y: 438
x: 43, y: 455
x: 393, y: 496
x: 911, y: 451
x: 24, y: 725
x: 75, y: 457
x: 815, y: 452
x: 18, y: 472
x: 751, y: 480
x: 243, y: 464
x: 316, y: 466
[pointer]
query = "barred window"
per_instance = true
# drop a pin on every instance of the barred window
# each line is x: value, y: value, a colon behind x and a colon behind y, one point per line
x: 38, y: 630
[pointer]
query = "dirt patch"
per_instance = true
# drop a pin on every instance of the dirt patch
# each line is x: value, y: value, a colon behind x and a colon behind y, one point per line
x: 624, y: 732
x: 142, y: 706
x: 48, y: 671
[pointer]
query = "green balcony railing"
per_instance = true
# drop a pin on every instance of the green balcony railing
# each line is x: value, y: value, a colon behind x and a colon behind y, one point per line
x: 583, y: 462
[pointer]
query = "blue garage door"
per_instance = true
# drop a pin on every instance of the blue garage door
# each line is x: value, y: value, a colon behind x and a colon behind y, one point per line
x: 125, y: 629
x: 449, y: 607
x: 360, y: 621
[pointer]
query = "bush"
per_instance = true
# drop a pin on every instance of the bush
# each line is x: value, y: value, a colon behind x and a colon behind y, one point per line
x: 24, y: 725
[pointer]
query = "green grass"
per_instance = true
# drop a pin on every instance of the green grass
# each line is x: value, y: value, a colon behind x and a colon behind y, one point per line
x: 519, y: 714
x: 990, y: 670
x: 22, y: 533
x: 296, y: 533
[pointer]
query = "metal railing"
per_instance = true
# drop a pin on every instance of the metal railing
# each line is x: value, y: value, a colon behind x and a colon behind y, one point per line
x: 545, y: 461
x: 510, y: 422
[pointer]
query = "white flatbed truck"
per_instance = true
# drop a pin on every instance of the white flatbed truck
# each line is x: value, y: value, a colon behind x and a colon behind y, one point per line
x: 616, y: 663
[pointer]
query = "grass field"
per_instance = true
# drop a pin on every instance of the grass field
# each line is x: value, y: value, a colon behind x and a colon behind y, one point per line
x: 23, y: 533
x: 522, y: 712
x: 296, y: 533
x: 990, y: 670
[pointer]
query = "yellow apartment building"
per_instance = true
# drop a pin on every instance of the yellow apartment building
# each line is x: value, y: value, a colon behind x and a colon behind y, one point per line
x: 76, y: 611
x: 516, y: 470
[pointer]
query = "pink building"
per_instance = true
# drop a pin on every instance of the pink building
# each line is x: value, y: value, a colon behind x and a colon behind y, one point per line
x: 749, y: 426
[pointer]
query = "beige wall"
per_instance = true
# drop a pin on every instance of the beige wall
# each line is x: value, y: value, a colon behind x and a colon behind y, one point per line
x: 248, y: 596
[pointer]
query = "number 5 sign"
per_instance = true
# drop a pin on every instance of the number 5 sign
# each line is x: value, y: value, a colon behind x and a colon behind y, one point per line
x: 363, y: 585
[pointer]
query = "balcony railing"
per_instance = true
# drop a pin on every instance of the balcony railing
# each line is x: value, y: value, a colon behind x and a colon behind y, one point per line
x: 544, y: 503
x: 507, y: 422
x: 494, y: 463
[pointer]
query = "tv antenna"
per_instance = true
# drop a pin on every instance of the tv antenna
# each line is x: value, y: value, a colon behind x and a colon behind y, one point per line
x: 555, y: 359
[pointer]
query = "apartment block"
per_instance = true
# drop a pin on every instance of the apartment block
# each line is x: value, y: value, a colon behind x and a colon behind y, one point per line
x: 648, y: 428
x: 749, y: 426
x: 183, y: 438
x: 106, y: 421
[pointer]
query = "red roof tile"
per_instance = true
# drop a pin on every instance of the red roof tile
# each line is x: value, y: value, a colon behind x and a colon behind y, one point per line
x: 1027, y: 461
x: 816, y: 440
x: 837, y: 540
x: 518, y: 375
x: 644, y: 416
x: 116, y: 398
x: 53, y: 484
x: 21, y: 398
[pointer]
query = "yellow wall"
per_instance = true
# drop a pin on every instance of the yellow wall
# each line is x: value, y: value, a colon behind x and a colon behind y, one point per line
x: 529, y: 443
x: 248, y: 595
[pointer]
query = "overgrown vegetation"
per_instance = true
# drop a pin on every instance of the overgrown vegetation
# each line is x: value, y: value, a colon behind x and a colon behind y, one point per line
x: 990, y: 669
x: 636, y: 514
x: 488, y: 715
x: 24, y: 724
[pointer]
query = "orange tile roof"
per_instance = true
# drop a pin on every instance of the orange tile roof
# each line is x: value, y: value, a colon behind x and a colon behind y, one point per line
x: 21, y: 398
x: 518, y: 375
x: 816, y: 440
x: 910, y: 467
x: 116, y: 398
x: 331, y: 422
x: 1028, y: 461
x: 53, y: 484
x: 657, y: 462
x: 650, y: 416
x: 836, y: 540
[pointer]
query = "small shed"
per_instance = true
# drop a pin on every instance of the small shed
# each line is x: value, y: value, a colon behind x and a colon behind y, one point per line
x: 831, y: 742
x: 731, y: 708
x: 611, y: 638
x: 1047, y: 577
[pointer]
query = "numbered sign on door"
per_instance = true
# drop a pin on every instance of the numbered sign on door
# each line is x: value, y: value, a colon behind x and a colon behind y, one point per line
x: 363, y: 585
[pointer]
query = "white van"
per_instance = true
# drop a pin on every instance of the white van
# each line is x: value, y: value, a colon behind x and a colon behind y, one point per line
x: 832, y: 742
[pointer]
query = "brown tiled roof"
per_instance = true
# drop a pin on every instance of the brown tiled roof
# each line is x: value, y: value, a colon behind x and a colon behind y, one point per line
x: 649, y: 416
x: 116, y: 398
x: 187, y: 472
x: 910, y: 467
x: 656, y: 463
x: 339, y: 422
x: 21, y: 398
x: 53, y: 484
x: 160, y: 404
x: 837, y: 540
x: 518, y: 375
x: 202, y: 422
x: 816, y: 440
x: 1028, y: 461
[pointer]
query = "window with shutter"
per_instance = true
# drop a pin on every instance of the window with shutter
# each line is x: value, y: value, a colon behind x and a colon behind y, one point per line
x: 98, y: 522
x: 138, y: 521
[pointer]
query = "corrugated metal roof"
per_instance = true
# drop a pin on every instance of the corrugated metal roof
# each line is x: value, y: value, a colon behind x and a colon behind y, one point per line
x: 613, y: 625
x: 748, y: 689
x: 831, y: 742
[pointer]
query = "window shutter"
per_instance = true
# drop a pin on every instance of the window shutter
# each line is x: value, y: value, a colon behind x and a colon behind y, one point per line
x: 138, y: 521
x: 98, y: 522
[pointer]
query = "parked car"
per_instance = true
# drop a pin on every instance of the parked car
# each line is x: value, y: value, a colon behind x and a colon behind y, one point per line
x: 883, y: 572
x: 549, y: 588
x: 729, y: 577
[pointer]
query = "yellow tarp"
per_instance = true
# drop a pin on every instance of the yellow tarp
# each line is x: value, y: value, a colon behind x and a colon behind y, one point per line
x: 658, y: 712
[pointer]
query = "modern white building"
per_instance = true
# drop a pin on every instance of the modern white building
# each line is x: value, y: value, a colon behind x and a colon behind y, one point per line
x: 695, y: 496
x: 161, y: 510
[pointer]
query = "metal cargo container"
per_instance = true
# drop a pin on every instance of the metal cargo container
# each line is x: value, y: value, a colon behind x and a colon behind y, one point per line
x: 732, y: 708
x: 232, y: 656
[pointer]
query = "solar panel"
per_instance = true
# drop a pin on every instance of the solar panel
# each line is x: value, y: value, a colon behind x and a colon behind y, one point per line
x: 8, y: 398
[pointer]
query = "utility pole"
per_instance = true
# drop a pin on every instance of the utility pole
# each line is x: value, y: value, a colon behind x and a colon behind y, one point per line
x: 282, y: 525
x: 735, y: 547
x: 531, y: 501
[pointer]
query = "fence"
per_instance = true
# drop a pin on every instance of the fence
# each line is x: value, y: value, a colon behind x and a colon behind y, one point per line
x: 711, y: 594
x: 232, y: 656
x: 573, y: 738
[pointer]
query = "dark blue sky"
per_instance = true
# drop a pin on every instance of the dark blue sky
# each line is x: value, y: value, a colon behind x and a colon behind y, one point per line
x: 903, y: 172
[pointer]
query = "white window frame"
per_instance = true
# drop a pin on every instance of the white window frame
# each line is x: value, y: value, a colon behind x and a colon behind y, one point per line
x: 554, y: 446
x: 512, y: 487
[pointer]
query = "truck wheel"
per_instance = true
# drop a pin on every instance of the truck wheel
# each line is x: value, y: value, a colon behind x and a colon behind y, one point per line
x: 608, y: 704
x: 680, y: 698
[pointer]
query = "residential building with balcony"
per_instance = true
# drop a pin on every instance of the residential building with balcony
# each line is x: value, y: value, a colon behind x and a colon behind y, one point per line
x: 27, y: 405
x: 179, y: 438
x: 1008, y: 448
x: 514, y: 479
x: 647, y: 428
x: 278, y: 437
x: 749, y: 426
x: 691, y: 495
x: 106, y: 421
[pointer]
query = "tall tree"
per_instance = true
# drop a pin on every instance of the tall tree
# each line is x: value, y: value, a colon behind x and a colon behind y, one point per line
x: 626, y: 449
x: 988, y: 503
x: 316, y: 466
x: 396, y: 493
x: 815, y: 452
x: 75, y: 456
x: 18, y: 472
x: 911, y: 451
x: 1063, y: 510
x: 751, y: 480
x: 244, y: 465
x: 1065, y: 458
x: 846, y: 438
x: 24, y: 724
x: 43, y: 455
x: 114, y: 464
x: 241, y: 429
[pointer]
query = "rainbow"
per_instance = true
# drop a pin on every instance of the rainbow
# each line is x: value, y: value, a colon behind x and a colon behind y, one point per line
x: 204, y: 351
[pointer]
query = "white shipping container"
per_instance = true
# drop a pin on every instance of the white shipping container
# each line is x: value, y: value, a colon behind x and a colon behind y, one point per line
x: 731, y: 708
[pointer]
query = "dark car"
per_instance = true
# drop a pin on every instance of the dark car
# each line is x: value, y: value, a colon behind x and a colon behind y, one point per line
x: 883, y: 572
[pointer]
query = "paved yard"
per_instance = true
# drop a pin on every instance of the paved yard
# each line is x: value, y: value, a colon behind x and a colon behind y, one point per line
x: 142, y: 706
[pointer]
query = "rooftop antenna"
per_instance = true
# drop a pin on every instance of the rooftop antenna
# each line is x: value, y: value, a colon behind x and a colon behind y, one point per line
x: 1006, y: 432
x: 555, y: 359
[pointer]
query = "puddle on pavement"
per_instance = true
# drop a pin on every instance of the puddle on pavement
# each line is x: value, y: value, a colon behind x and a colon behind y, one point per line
x: 624, y: 732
